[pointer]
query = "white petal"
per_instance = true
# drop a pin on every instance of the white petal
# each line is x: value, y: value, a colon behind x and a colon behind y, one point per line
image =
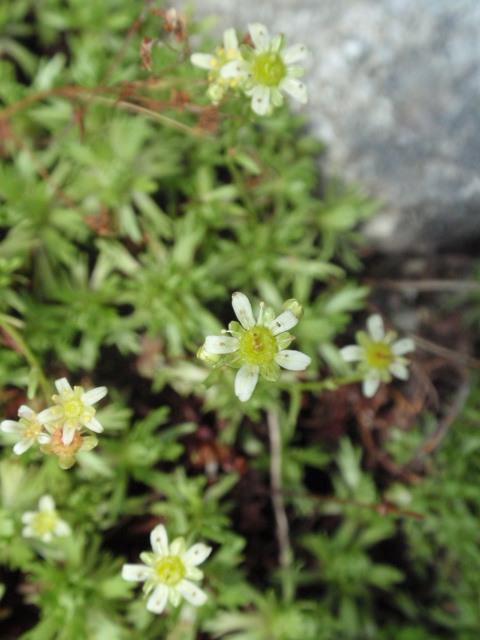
x: 192, y: 594
x: 28, y: 516
x: 399, y: 370
x: 157, y: 601
x: 25, y: 412
x: 136, y: 572
x: 47, y: 415
x: 177, y: 547
x: 63, y: 386
x: 235, y: 69
x: 375, y: 327
x: 220, y: 344
x: 276, y: 97
x: 405, y: 345
x: 62, y: 529
x: 159, y: 540
x: 243, y: 310
x: 27, y: 532
x: 295, y: 88
x: 370, y: 384
x: 94, y: 395
x: 203, y: 60
x: 389, y: 337
x: 283, y: 322
x: 196, y: 554
x: 43, y: 438
x: 230, y: 41
x: 275, y: 43
x: 294, y: 54
x: 193, y: 573
x: 67, y: 434
x: 260, y: 99
x: 11, y: 426
x: 174, y: 596
x: 23, y: 445
x: 352, y: 352
x: 94, y: 425
x: 259, y: 35
x: 292, y: 360
x: 46, y: 503
x: 245, y: 381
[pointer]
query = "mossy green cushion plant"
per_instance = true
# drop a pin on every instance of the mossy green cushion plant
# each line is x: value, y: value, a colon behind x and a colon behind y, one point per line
x: 149, y: 174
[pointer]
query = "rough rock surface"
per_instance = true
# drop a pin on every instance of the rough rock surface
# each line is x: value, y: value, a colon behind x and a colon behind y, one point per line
x: 395, y: 93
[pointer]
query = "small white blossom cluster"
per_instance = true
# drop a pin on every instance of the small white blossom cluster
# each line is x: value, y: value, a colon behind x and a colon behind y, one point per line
x: 168, y: 571
x: 256, y: 346
x: 45, y: 523
x: 59, y: 429
x: 263, y: 70
x: 379, y: 355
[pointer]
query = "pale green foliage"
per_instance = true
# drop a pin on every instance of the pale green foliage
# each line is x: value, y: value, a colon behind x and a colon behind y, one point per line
x: 124, y: 232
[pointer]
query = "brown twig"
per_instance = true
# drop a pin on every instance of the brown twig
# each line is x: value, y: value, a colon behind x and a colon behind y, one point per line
x: 89, y: 94
x: 383, y: 508
x: 449, y: 354
x: 444, y: 423
x: 128, y: 37
x: 155, y: 115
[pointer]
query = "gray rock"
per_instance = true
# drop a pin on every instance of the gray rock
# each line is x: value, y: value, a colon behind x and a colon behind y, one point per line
x: 395, y: 93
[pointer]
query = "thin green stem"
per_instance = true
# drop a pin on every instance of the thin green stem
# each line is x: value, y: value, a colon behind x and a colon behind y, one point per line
x: 320, y: 385
x: 293, y: 409
x: 6, y: 323
x: 281, y: 522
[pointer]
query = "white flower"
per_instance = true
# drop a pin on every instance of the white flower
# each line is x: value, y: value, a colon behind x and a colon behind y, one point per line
x: 380, y: 356
x: 44, y: 523
x: 74, y: 409
x: 256, y: 346
x: 168, y: 571
x: 268, y: 71
x: 214, y: 63
x: 29, y: 428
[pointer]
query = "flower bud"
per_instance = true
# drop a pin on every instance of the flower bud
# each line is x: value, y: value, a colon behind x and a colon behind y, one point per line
x: 294, y: 306
x: 206, y: 356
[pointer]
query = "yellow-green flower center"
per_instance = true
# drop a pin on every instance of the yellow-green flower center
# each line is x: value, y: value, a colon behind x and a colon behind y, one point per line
x: 379, y: 355
x: 73, y: 409
x: 170, y: 570
x: 44, y: 522
x: 225, y: 55
x: 268, y: 69
x: 32, y: 428
x: 258, y: 345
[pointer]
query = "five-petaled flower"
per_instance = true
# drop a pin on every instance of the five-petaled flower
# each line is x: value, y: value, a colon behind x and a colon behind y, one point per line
x: 263, y: 72
x: 29, y: 428
x: 269, y: 70
x: 213, y: 63
x: 59, y: 429
x: 255, y: 346
x: 74, y: 409
x: 168, y: 571
x: 45, y: 523
x: 379, y: 354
